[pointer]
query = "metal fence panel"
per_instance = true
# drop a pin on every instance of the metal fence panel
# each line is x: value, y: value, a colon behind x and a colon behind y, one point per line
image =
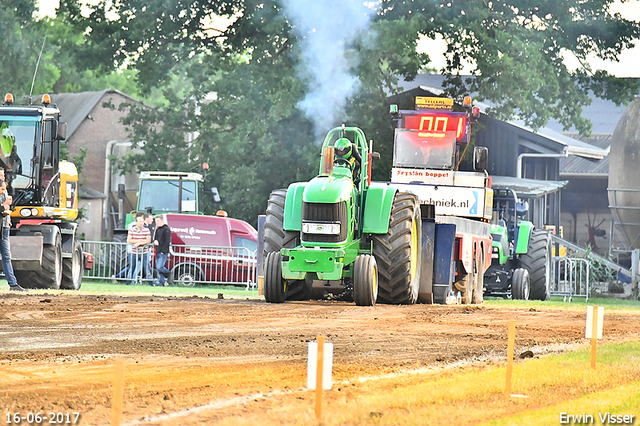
x: 570, y: 278
x: 189, y: 265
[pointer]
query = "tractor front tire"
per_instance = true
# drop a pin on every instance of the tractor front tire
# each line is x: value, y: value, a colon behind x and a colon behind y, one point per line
x: 365, y: 280
x: 537, y: 260
x: 398, y: 252
x: 73, y: 269
x: 520, y: 284
x: 275, y: 290
x: 275, y: 238
x: 49, y: 276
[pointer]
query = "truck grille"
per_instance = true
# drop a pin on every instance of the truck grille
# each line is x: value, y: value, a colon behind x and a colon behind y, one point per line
x: 322, y: 212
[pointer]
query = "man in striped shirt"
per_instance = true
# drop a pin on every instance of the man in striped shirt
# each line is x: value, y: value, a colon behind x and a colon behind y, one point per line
x: 138, y: 236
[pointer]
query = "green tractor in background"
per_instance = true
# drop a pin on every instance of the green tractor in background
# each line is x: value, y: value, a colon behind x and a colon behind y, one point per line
x: 341, y: 234
x: 521, y: 255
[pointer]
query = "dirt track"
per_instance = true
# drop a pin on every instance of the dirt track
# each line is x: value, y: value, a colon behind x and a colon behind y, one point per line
x: 57, y: 352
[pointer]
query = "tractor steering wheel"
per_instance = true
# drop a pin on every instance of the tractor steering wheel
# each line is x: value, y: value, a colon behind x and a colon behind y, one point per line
x: 339, y: 161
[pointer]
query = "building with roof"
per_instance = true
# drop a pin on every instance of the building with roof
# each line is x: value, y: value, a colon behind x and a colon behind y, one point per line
x: 94, y: 123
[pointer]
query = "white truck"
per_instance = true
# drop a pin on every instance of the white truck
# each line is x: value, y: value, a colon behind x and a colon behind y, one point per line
x: 456, y: 205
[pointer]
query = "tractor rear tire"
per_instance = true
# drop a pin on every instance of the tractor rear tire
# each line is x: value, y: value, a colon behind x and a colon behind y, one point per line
x: 365, y: 280
x: 274, y: 286
x: 73, y: 269
x: 520, y: 284
x: 537, y: 261
x: 275, y: 238
x: 398, y: 252
x: 50, y: 274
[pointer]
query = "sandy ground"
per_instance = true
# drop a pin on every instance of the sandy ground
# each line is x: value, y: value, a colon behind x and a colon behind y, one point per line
x: 198, y: 360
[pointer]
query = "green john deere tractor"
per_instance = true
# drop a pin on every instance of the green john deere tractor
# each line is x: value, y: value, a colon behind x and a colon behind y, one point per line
x: 521, y: 255
x: 341, y: 234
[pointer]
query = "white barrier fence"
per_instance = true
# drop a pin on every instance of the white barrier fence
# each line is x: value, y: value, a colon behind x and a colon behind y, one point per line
x: 570, y: 278
x: 189, y: 265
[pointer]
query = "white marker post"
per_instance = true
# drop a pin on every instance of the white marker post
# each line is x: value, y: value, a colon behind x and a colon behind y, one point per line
x: 593, y: 331
x: 320, y: 359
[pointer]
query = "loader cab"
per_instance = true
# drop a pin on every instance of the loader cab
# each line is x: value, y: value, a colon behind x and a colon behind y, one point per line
x: 23, y: 131
x: 53, y: 131
x: 31, y: 152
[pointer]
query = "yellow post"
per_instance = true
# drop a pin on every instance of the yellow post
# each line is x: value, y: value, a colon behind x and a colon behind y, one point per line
x: 260, y: 286
x: 118, y: 394
x: 510, y: 348
x: 319, y: 377
x: 594, y: 337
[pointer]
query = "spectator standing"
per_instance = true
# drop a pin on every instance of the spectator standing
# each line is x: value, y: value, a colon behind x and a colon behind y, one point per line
x: 138, y: 236
x: 162, y: 243
x: 5, y: 247
x: 151, y: 226
x: 124, y: 272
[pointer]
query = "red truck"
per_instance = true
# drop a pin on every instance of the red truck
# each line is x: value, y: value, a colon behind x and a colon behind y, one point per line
x: 215, y: 249
x: 204, y: 248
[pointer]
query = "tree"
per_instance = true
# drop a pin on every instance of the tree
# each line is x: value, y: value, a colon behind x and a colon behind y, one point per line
x: 48, y: 46
x: 22, y: 39
x: 252, y: 131
x: 516, y: 48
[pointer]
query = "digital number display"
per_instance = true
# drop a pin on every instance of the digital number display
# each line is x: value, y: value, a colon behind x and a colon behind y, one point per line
x: 440, y: 122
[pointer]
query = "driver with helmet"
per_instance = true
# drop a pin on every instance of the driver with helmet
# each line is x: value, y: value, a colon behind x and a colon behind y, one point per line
x: 345, y: 149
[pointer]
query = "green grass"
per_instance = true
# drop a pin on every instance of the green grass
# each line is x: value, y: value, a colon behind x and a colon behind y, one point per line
x: 578, y: 303
x: 613, y: 387
x: 104, y: 287
x: 543, y: 387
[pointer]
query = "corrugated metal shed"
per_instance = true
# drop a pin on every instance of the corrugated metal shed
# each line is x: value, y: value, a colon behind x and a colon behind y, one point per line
x: 527, y: 188
x: 587, y: 167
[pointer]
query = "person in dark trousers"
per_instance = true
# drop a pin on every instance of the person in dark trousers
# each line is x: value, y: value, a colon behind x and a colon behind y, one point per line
x: 162, y: 242
x: 5, y: 247
x: 151, y: 226
x: 138, y: 237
